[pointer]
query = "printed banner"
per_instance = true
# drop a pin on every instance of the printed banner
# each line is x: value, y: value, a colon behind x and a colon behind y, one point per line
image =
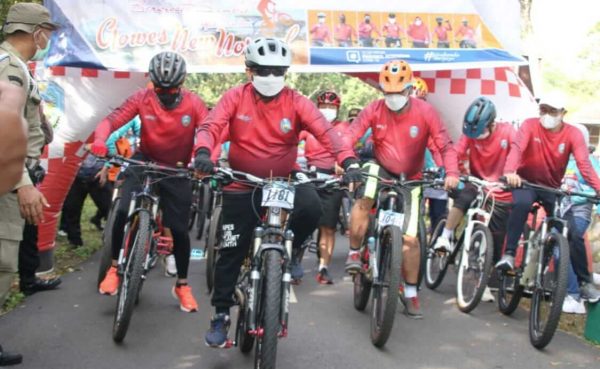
x: 324, y: 35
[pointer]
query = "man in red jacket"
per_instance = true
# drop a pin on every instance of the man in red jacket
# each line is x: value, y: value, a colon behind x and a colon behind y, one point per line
x: 265, y: 119
x: 540, y: 154
x: 170, y: 116
x: 403, y: 126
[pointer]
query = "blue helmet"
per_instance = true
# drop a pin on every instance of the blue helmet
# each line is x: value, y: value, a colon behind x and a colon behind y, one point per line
x: 480, y: 114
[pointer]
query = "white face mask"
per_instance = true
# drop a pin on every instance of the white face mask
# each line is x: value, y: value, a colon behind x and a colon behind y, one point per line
x: 550, y: 122
x: 268, y: 86
x: 395, y: 102
x: 321, y: 20
x: 329, y: 114
x: 392, y: 20
x: 418, y: 22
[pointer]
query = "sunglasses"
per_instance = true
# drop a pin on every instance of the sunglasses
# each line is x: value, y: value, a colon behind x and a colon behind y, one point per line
x: 266, y: 71
x: 166, y: 91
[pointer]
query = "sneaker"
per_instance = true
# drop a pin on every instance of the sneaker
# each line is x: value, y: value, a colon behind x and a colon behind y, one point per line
x: 216, y: 336
x: 323, y: 277
x: 97, y: 222
x: 596, y: 278
x: 187, y: 302
x: 507, y: 263
x: 353, y: 263
x: 572, y: 306
x: 297, y: 272
x: 487, y: 295
x: 110, y: 283
x: 412, y: 308
x: 589, y: 293
x: 62, y: 233
x: 443, y: 244
x: 170, y: 266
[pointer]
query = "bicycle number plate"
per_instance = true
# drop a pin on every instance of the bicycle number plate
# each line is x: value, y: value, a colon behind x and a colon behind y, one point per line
x: 278, y: 195
x: 388, y: 217
x: 324, y: 176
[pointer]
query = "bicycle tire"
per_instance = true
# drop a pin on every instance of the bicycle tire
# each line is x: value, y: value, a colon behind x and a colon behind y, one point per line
x: 362, y: 291
x: 202, y: 210
x: 541, y: 332
x: 106, y: 256
x: 485, y: 263
x: 244, y: 340
x: 194, y: 206
x: 384, y: 311
x: 422, y: 237
x: 212, y: 243
x: 344, y: 216
x: 131, y: 280
x: 436, y: 264
x: 510, y: 290
x: 269, y: 322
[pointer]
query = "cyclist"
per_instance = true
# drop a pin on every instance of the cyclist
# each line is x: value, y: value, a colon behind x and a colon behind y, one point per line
x: 170, y: 115
x: 539, y: 154
x: 322, y: 162
x: 402, y: 128
x: 485, y: 144
x: 264, y: 119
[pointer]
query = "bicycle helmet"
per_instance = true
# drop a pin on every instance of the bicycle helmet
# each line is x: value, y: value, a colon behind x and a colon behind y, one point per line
x: 395, y: 76
x: 329, y: 97
x: 420, y: 88
x: 480, y: 114
x: 268, y: 52
x: 167, y: 69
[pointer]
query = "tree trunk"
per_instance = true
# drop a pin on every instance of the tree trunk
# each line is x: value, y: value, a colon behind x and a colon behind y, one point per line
x: 526, y: 25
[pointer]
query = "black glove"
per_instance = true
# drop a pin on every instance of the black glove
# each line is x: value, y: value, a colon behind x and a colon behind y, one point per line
x: 352, y: 169
x: 202, y: 162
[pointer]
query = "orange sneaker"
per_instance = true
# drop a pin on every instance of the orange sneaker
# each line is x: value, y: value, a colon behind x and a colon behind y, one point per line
x: 110, y: 283
x: 187, y: 302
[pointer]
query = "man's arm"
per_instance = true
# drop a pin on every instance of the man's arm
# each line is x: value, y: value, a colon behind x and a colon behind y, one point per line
x: 13, y: 136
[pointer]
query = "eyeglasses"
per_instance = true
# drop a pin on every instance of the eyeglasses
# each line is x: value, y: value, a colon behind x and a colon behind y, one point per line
x: 266, y: 71
x: 166, y: 91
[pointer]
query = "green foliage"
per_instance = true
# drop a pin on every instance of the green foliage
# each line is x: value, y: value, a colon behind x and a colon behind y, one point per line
x: 13, y: 300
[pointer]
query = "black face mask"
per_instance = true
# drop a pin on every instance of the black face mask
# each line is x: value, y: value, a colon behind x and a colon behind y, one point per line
x: 169, y: 101
x: 367, y: 20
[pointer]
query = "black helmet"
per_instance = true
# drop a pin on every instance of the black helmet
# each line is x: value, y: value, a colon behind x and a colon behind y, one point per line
x: 480, y: 114
x: 167, y: 69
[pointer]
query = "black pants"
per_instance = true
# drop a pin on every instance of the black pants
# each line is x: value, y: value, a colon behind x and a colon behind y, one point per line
x: 175, y: 201
x: 577, y: 248
x: 29, y: 259
x: 239, y: 221
x: 73, y: 205
x: 393, y: 42
x: 438, y: 208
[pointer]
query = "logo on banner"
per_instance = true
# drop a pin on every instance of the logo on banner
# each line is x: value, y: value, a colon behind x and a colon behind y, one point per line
x: 285, y: 125
x: 353, y: 56
x: 414, y: 131
x: 504, y: 144
x: 561, y: 148
x: 186, y: 120
x: 433, y: 56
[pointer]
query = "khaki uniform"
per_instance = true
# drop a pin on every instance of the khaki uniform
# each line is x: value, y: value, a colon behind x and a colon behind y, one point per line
x: 14, y: 70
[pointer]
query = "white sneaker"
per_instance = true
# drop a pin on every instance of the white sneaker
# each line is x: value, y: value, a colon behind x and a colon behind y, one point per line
x: 487, y: 295
x: 572, y: 306
x: 596, y: 278
x: 443, y: 244
x: 170, y: 266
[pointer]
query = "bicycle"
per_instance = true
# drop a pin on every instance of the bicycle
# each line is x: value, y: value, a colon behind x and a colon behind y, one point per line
x: 214, y: 236
x: 263, y: 289
x: 381, y: 254
x: 201, y: 200
x: 473, y: 248
x: 141, y: 240
x: 542, y: 270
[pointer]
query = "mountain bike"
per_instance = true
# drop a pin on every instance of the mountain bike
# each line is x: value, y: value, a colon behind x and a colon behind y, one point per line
x: 542, y: 271
x: 473, y: 249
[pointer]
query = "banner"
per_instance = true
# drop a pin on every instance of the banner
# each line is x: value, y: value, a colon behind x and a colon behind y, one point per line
x: 324, y: 35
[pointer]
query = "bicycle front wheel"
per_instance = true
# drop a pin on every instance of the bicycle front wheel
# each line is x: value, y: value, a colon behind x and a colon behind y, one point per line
x: 202, y: 210
x: 436, y: 263
x: 549, y: 293
x: 138, y: 240
x: 213, y: 241
x: 474, y: 268
x: 385, y: 288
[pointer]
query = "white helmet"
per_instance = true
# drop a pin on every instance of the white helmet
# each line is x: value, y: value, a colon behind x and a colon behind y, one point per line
x: 584, y: 132
x: 268, y: 52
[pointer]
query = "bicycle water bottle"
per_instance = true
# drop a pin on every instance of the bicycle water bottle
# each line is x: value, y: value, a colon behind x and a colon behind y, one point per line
x: 372, y: 257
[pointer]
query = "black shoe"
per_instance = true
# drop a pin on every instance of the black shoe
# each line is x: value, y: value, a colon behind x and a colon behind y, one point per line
x: 9, y: 358
x: 97, y: 221
x: 76, y: 243
x: 40, y: 285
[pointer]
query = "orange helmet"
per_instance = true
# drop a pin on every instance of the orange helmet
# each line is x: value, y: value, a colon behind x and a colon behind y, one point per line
x: 395, y: 76
x: 420, y: 88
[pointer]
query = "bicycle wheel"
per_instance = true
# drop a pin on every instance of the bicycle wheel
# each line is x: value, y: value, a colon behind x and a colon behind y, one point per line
x: 213, y: 241
x: 362, y: 290
x: 344, y: 218
x: 549, y: 294
x: 139, y: 235
x: 269, y: 322
x: 244, y: 340
x: 106, y: 256
x: 422, y: 236
x: 436, y: 263
x: 202, y: 210
x: 473, y: 269
x: 194, y: 205
x: 385, y: 289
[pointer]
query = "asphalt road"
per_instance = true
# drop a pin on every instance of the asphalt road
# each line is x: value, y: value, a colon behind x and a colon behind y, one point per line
x: 71, y: 328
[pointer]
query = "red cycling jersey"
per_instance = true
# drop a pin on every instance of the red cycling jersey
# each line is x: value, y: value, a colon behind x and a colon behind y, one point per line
x: 400, y: 139
x: 166, y: 136
x: 487, y: 157
x: 344, y: 32
x: 316, y: 154
x: 392, y: 30
x: 264, y: 134
x: 541, y: 156
x: 418, y: 33
x: 320, y: 32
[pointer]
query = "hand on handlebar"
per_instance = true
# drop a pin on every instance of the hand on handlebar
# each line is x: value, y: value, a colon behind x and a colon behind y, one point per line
x: 513, y: 179
x: 98, y: 148
x: 451, y: 183
x: 202, y: 163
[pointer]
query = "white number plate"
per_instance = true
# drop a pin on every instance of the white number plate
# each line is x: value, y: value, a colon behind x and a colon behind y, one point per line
x: 388, y: 217
x: 278, y: 195
x: 324, y: 176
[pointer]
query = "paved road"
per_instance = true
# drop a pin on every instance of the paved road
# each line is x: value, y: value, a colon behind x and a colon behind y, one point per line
x: 71, y: 328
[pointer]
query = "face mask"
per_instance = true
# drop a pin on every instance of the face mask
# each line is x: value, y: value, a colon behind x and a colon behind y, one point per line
x: 40, y: 54
x: 418, y: 22
x: 367, y: 20
x: 321, y: 20
x: 268, y: 86
x: 395, y: 102
x: 342, y: 20
x: 550, y: 122
x: 169, y: 101
x: 329, y: 114
x: 392, y: 20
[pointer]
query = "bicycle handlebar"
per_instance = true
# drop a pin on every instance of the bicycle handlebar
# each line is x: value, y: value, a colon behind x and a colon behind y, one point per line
x: 243, y: 177
x: 557, y: 191
x: 121, y: 160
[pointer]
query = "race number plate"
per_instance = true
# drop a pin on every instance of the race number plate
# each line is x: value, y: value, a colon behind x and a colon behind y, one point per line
x: 278, y: 195
x: 388, y: 217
